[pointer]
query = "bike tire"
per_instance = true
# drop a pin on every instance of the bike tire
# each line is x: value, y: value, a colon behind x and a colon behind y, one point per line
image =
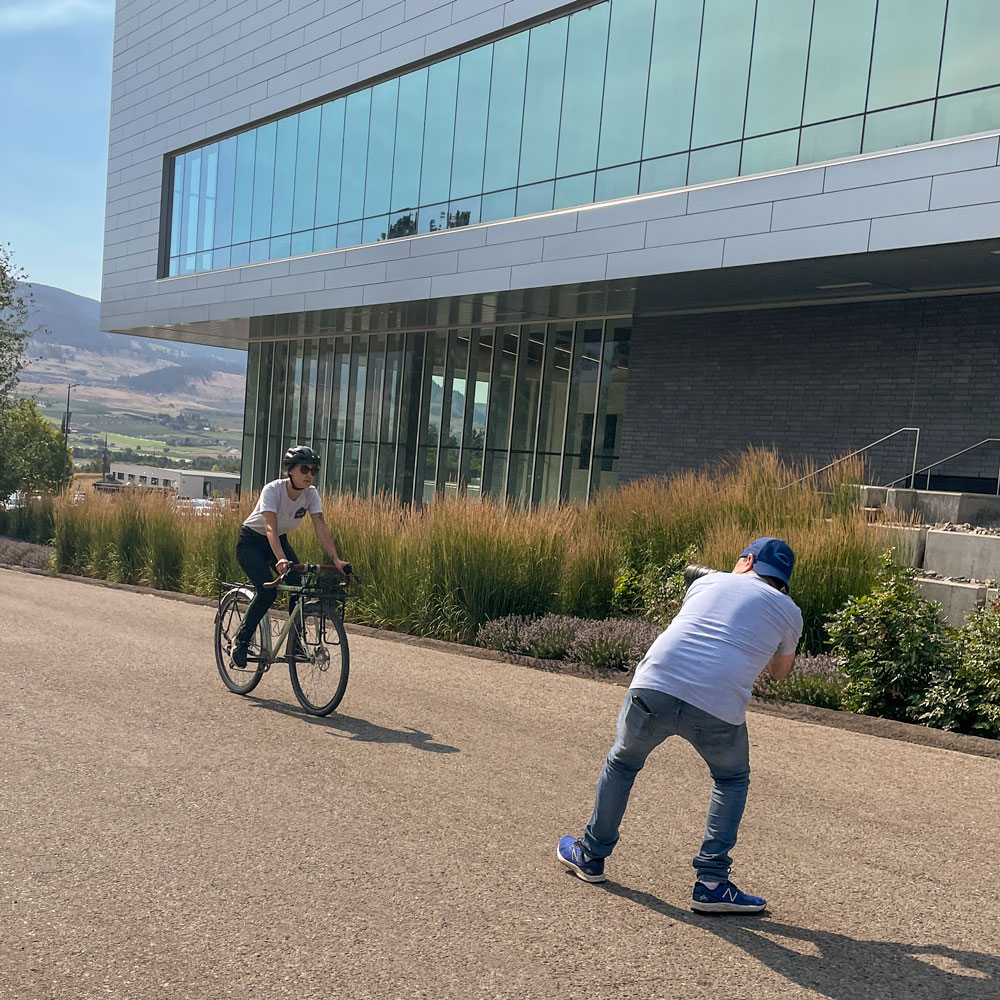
x: 320, y: 684
x: 232, y: 609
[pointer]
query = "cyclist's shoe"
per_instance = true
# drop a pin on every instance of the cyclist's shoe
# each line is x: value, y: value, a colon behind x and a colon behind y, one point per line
x: 724, y: 898
x: 239, y: 653
x: 570, y: 855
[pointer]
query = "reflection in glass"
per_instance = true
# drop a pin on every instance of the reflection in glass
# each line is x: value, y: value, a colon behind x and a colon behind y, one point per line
x: 907, y: 52
x: 839, y: 57
x: 439, y: 131
x: 510, y: 57
x: 284, y: 176
x: 663, y: 173
x: 331, y: 150
x: 617, y: 182
x: 898, y: 127
x: 778, y: 70
x: 571, y: 191
x: 769, y: 152
x: 582, y: 407
x: 470, y: 122
x: 714, y: 164
x: 626, y: 78
x: 670, y: 101
x: 579, y: 129
x: 969, y: 58
x: 306, y: 167
x: 967, y: 114
x: 409, y: 141
x: 831, y: 141
x: 535, y: 198
x: 543, y: 90
x: 499, y: 205
x: 552, y: 412
x: 723, y: 66
x: 263, y: 182
x: 381, y: 141
x: 352, y: 178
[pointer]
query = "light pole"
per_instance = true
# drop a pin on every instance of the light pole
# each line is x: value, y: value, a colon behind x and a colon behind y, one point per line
x: 66, y: 415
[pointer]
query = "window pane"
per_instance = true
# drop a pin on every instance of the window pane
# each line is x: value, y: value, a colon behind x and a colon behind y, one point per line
x: 778, y: 70
x: 499, y: 205
x: 464, y: 212
x: 331, y: 145
x: 501, y: 403
x: 281, y: 246
x: 535, y: 198
x: 581, y: 99
x: 714, y: 164
x: 674, y: 65
x: 617, y: 182
x: 510, y: 57
x: 381, y: 140
x: 325, y: 239
x: 302, y: 243
x: 663, y: 174
x: 409, y: 141
x: 542, y: 98
x: 206, y: 206
x: 409, y: 415
x: 306, y: 165
x: 192, y: 193
x: 552, y: 416
x: 770, y: 152
x: 430, y: 418
x: 475, y: 412
x: 899, y: 127
x: 246, y: 145
x: 967, y: 114
x: 177, y: 206
x: 374, y: 230
x: 432, y: 218
x: 470, y: 122
x: 439, y: 131
x: 722, y: 71
x: 402, y: 224
x: 224, y: 192
x: 582, y: 406
x: 263, y: 181
x: 611, y: 404
x: 907, y: 51
x: 284, y: 175
x: 831, y: 141
x: 839, y: 57
x: 625, y: 81
x: 528, y: 384
x: 970, y: 46
x: 349, y: 234
x: 352, y: 180
x: 577, y: 190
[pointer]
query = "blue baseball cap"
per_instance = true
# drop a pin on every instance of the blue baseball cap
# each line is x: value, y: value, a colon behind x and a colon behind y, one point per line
x: 771, y: 557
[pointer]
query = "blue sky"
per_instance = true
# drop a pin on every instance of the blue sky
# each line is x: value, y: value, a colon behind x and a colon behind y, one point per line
x: 55, y: 71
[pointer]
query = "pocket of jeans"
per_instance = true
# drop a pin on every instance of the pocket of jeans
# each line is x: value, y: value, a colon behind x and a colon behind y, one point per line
x: 639, y: 718
x: 716, y: 737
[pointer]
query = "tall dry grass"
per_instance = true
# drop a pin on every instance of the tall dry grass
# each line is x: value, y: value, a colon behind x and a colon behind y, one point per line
x: 446, y: 569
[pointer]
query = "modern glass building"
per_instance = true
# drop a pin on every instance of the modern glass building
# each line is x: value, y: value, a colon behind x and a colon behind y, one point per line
x: 499, y: 248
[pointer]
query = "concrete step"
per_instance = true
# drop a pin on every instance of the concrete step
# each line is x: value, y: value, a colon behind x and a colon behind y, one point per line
x: 934, y: 507
x: 957, y: 600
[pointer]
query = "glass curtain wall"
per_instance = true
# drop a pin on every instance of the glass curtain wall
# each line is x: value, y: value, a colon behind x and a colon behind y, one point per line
x: 532, y: 413
x: 624, y: 97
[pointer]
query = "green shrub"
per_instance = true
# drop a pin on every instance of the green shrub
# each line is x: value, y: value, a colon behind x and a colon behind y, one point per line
x: 890, y: 644
x: 966, y: 697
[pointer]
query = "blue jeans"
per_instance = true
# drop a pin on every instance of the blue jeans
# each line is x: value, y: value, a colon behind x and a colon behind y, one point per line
x: 647, y: 718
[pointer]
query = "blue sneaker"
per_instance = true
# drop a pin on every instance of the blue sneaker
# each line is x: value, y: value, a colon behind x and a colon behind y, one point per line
x: 724, y: 898
x: 570, y: 854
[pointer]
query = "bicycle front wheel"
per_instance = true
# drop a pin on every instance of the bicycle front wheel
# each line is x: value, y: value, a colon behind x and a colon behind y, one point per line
x: 319, y: 677
x: 232, y: 610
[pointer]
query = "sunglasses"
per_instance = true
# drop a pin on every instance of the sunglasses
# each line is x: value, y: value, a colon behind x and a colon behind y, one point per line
x: 311, y: 470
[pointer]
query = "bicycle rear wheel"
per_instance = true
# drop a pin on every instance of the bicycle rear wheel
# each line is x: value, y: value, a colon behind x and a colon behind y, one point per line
x: 232, y: 610
x: 320, y: 681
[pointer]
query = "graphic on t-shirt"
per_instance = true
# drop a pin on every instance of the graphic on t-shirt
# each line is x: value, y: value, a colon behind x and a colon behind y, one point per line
x: 301, y: 512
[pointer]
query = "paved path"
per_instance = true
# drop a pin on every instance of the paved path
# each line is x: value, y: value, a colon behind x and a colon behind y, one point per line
x: 160, y: 837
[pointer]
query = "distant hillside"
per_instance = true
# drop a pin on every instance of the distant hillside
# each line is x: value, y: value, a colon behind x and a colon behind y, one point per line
x: 71, y: 347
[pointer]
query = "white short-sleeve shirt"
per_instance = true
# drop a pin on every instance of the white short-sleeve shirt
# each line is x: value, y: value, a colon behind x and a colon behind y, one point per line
x: 274, y: 497
x: 729, y: 626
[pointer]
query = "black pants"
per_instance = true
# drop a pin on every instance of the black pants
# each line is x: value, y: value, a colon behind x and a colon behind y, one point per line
x: 253, y: 553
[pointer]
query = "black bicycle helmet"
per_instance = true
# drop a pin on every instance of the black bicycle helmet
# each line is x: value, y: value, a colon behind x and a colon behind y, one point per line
x: 297, y: 455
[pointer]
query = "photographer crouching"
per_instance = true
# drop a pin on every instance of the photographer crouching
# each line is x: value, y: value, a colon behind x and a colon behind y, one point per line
x: 695, y: 682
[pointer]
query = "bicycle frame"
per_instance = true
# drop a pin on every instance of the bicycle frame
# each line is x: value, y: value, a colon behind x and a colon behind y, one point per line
x: 297, y: 616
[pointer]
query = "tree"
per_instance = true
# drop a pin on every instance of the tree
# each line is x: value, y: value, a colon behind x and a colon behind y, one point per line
x: 34, y: 457
x: 15, y: 305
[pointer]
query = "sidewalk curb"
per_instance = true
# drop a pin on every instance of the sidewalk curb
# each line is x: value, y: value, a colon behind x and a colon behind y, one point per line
x: 830, y: 718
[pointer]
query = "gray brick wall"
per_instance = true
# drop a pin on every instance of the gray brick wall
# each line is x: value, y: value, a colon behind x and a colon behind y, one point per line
x: 816, y: 383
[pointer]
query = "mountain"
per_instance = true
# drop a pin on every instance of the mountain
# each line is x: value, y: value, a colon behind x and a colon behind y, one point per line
x: 70, y: 347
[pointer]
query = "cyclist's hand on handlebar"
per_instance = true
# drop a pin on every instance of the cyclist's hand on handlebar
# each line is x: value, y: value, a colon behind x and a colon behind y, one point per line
x: 342, y: 566
x: 282, y: 566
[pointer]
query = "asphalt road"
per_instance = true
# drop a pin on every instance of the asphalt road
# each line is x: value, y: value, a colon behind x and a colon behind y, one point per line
x: 161, y: 837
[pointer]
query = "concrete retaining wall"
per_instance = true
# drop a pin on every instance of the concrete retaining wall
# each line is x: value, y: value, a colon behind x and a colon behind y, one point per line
x: 957, y: 508
x: 956, y: 599
x: 953, y: 553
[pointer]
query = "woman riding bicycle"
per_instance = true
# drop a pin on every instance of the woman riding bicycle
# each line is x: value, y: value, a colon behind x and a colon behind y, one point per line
x: 263, y: 544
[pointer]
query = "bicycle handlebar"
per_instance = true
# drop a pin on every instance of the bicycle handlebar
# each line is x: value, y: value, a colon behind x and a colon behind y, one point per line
x: 313, y: 568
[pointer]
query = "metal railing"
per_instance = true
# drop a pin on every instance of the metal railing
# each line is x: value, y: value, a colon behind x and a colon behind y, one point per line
x: 900, y: 430
x: 934, y: 465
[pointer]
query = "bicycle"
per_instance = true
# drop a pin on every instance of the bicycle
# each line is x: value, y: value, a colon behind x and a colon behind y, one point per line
x: 319, y: 667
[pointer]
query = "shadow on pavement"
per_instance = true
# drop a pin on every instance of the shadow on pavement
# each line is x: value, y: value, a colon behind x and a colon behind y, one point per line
x: 841, y: 967
x: 357, y: 729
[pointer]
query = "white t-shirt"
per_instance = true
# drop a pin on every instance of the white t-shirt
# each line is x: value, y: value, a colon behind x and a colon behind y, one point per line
x: 729, y: 626
x: 274, y: 497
